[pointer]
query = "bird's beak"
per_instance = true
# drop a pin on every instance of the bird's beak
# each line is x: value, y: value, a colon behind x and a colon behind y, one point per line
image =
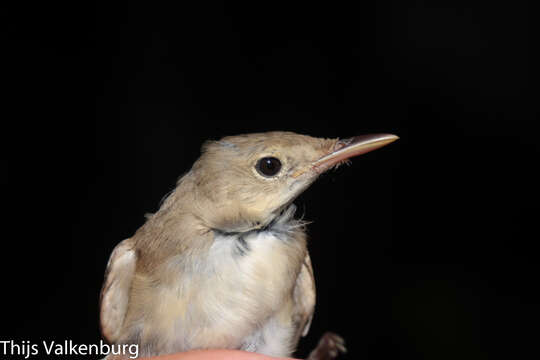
x: 347, y: 148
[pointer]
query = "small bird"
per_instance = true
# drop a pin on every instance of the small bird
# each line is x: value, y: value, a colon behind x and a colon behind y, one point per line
x: 223, y: 264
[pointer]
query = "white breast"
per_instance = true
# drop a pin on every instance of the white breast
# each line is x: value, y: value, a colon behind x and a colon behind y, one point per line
x: 256, y: 271
x: 237, y: 292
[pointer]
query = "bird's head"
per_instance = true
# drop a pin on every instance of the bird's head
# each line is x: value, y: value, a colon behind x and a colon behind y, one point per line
x: 243, y: 182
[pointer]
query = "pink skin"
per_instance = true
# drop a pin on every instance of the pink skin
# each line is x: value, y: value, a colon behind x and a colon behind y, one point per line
x: 216, y: 355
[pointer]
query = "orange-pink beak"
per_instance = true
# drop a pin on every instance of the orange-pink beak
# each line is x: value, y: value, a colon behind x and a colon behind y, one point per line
x: 348, y: 148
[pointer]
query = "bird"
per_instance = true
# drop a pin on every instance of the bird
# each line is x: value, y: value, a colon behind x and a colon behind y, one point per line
x: 223, y: 263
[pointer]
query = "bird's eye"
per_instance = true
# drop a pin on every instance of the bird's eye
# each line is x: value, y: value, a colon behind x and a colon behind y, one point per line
x: 268, y: 166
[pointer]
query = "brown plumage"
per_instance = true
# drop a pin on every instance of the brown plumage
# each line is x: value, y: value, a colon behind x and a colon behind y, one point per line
x: 223, y: 263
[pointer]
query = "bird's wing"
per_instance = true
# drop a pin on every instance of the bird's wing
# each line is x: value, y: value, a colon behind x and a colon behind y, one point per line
x: 116, y: 288
x: 304, y: 297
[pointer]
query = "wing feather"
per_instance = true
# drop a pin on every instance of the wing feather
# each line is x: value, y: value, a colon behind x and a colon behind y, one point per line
x: 116, y: 287
x: 304, y: 297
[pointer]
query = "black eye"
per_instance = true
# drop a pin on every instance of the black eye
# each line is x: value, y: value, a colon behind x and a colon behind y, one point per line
x: 268, y: 166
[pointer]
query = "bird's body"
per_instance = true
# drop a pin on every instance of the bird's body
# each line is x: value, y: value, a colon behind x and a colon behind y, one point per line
x: 223, y: 263
x: 207, y: 300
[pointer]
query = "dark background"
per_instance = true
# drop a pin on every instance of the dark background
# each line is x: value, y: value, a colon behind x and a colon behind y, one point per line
x: 426, y: 249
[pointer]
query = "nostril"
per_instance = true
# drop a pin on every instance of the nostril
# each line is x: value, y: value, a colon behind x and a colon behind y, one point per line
x: 342, y: 143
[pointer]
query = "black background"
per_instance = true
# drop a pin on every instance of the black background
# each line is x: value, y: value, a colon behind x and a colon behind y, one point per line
x: 425, y: 249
